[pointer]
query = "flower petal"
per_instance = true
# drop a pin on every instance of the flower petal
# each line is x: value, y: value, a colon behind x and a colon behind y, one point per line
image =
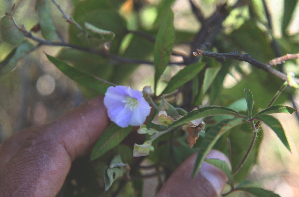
x: 116, y: 101
x: 123, y: 117
x: 139, y: 115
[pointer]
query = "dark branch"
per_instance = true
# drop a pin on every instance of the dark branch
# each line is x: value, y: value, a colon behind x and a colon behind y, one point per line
x: 197, y: 12
x: 246, y: 58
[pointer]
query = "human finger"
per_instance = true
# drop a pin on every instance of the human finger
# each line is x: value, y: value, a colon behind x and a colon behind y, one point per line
x: 38, y: 164
x: 209, y: 181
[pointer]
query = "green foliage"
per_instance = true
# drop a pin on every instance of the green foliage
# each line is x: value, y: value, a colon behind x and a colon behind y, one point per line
x: 115, y: 170
x: 289, y: 7
x: 163, y: 46
x: 258, y: 191
x: 274, y: 124
x: 45, y: 20
x: 213, y: 134
x: 109, y: 139
x: 183, y: 76
x: 221, y: 165
x: 11, y: 60
x: 206, y: 112
x: 79, y: 76
x: 114, y: 39
x: 249, y: 101
x: 276, y: 109
x: 9, y: 32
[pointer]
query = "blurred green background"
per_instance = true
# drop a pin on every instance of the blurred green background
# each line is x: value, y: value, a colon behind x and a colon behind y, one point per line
x: 36, y: 92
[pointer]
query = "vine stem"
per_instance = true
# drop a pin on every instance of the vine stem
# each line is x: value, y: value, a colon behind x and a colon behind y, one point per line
x: 69, y: 19
x: 255, y: 127
x: 249, y: 149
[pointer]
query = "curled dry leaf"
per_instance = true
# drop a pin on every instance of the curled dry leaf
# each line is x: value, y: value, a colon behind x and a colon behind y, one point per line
x: 193, y: 128
x: 162, y: 119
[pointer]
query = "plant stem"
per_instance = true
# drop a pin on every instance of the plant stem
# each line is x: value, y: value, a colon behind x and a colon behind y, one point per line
x: 246, y: 155
x: 255, y: 127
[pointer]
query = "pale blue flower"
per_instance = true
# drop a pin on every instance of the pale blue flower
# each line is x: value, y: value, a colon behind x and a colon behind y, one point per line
x: 126, y: 106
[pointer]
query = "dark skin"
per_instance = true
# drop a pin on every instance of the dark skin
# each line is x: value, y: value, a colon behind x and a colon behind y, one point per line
x: 36, y: 161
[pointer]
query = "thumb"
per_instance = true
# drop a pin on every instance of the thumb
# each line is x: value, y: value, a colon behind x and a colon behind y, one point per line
x: 208, y: 182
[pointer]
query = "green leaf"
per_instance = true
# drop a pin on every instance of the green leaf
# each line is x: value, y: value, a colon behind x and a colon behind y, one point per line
x: 259, y: 10
x: 211, y: 138
x: 210, y: 75
x: 109, y: 139
x: 11, y: 60
x: 249, y: 101
x: 183, y: 76
x: 162, y: 8
x: 143, y: 149
x: 95, y: 36
x: 276, y: 109
x: 103, y: 34
x: 239, y: 105
x: 163, y: 46
x: 258, y: 191
x: 79, y: 76
x: 45, y: 20
x: 98, y: 66
x: 205, y: 112
x: 115, y: 170
x: 102, y: 15
x: 9, y: 32
x: 275, y: 125
x: 250, y: 35
x: 171, y: 111
x: 222, y: 165
x: 289, y: 7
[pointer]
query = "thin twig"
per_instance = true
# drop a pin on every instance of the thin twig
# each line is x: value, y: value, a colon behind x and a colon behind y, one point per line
x: 284, y: 85
x: 281, y: 60
x: 197, y: 12
x: 89, y: 50
x: 246, y: 58
x: 69, y: 19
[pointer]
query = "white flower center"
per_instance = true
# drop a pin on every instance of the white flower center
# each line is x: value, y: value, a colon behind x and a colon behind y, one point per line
x: 131, y: 103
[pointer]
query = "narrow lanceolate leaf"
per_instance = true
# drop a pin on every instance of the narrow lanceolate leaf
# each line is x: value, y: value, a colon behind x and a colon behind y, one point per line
x: 222, y: 165
x: 289, y: 7
x: 210, y: 75
x: 249, y: 101
x: 79, y: 76
x: 183, y: 76
x: 205, y: 112
x: 258, y: 191
x: 109, y: 139
x: 163, y: 46
x: 275, y: 125
x: 276, y: 109
x: 45, y: 19
x: 11, y: 60
x: 211, y: 138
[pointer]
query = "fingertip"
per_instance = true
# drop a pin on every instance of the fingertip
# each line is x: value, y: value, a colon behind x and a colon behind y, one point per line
x: 214, y: 175
x: 209, y: 181
x: 79, y: 129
